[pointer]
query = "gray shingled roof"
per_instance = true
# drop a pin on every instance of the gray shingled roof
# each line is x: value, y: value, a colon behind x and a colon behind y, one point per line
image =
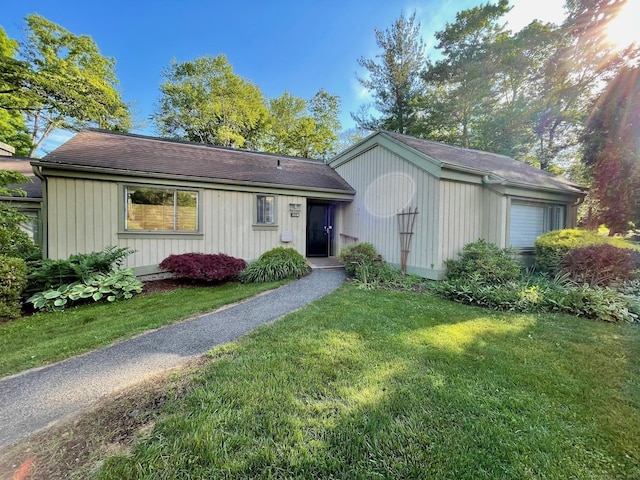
x: 507, y: 168
x: 23, y: 165
x: 141, y: 155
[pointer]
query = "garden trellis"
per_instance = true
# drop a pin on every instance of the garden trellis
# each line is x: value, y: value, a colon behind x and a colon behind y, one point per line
x: 406, y: 222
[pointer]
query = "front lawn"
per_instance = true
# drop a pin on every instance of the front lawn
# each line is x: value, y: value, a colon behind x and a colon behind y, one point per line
x: 51, y: 336
x: 384, y: 384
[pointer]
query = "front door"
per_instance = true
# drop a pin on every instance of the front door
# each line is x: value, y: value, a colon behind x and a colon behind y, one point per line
x: 320, y: 233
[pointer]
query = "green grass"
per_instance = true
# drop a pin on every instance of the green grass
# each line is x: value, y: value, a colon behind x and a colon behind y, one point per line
x: 51, y: 336
x: 387, y: 384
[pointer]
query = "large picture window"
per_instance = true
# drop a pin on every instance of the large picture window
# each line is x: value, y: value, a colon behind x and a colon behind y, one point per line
x: 265, y: 211
x: 530, y: 220
x: 161, y: 209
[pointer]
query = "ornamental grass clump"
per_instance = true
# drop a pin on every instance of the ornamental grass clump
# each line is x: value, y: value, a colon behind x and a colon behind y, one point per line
x: 276, y: 264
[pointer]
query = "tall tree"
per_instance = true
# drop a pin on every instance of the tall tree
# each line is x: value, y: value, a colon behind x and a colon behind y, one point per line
x: 583, y: 61
x: 518, y: 62
x: 203, y: 100
x: 393, y: 76
x: 13, y: 130
x: 303, y: 128
x: 611, y: 150
x: 460, y: 84
x: 287, y: 116
x: 325, y: 110
x: 62, y: 81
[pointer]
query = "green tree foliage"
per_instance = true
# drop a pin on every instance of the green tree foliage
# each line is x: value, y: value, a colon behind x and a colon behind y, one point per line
x: 461, y: 83
x: 13, y: 130
x: 302, y: 128
x: 205, y: 101
x: 611, y: 149
x: 14, y: 242
x: 525, y: 94
x: 393, y: 77
x: 583, y: 60
x: 61, y: 81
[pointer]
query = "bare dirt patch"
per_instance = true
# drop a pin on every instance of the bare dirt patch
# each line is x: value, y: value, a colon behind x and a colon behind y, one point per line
x: 78, y: 446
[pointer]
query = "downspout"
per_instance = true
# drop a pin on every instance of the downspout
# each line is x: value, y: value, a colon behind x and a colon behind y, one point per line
x: 496, y: 181
x: 37, y: 170
x: 579, y: 201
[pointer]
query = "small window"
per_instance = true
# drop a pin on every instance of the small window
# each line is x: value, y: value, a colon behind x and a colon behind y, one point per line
x: 161, y: 209
x: 265, y: 211
x: 530, y: 220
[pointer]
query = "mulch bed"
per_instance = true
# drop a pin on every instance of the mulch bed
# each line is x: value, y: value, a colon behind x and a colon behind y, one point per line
x: 164, y: 285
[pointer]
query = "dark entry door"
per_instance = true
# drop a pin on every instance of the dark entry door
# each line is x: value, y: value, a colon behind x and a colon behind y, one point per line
x: 320, y: 232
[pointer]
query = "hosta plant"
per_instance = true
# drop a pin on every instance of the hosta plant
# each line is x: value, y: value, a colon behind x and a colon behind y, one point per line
x: 112, y: 286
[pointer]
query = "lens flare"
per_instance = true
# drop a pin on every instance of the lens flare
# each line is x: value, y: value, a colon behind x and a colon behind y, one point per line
x: 623, y: 30
x: 389, y: 194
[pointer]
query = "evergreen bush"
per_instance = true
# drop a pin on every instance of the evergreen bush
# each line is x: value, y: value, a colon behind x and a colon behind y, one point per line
x: 486, y: 261
x: 357, y: 256
x: 13, y: 280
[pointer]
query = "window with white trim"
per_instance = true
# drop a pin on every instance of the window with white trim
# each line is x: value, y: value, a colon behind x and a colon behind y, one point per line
x: 530, y: 220
x: 265, y: 209
x: 159, y: 209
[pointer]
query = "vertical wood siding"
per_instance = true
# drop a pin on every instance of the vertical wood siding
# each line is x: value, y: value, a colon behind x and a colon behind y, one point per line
x: 495, y: 218
x: 84, y: 215
x: 380, y: 180
x: 461, y: 216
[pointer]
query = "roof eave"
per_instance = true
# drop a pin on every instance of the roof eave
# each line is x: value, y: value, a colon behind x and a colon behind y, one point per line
x: 188, y: 178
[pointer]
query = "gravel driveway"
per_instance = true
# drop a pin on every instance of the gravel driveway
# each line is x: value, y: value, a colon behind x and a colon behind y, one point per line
x: 35, y: 399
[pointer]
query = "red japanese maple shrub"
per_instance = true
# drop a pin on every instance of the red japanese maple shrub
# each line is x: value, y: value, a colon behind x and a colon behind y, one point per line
x: 602, y: 265
x: 203, y: 266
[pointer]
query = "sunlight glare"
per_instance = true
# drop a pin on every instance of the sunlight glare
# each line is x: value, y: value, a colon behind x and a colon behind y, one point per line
x: 623, y: 30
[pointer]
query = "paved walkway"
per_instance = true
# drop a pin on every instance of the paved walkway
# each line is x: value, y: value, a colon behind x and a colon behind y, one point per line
x: 35, y: 399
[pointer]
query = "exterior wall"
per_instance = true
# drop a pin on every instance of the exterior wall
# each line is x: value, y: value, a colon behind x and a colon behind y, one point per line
x: 82, y: 216
x: 85, y: 215
x: 462, y: 217
x: 385, y: 184
x: 494, y: 224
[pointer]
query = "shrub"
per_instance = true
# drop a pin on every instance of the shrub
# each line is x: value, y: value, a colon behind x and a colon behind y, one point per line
x: 112, y: 286
x: 203, y: 266
x: 13, y: 279
x: 551, y: 247
x: 358, y: 255
x: 598, y: 303
x: 602, y: 265
x: 542, y: 295
x: 382, y: 275
x: 14, y: 242
x: 489, y: 263
x: 47, y: 274
x: 275, y: 264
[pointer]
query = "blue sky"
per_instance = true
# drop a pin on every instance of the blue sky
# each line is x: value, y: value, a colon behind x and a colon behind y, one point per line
x: 280, y: 45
